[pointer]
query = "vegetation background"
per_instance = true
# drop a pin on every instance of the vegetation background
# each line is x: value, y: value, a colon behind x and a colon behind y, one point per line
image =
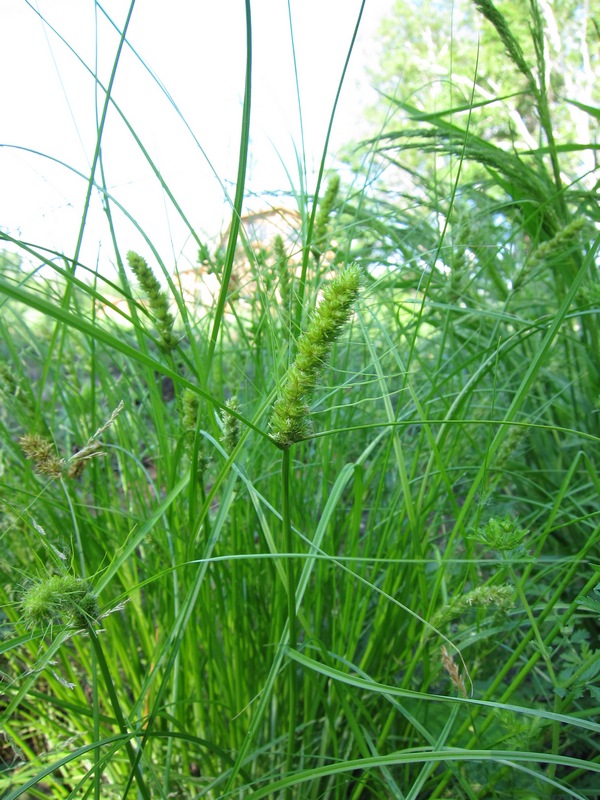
x: 333, y: 531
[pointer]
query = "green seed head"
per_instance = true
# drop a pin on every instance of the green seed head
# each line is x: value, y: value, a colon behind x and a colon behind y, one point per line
x: 290, y: 419
x: 500, y: 534
x: 189, y: 412
x: 59, y: 599
x: 320, y: 236
x: 231, y: 425
x: 157, y: 300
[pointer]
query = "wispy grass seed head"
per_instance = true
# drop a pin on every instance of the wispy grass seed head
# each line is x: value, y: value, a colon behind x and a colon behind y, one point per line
x: 452, y: 669
x: 42, y: 453
x: 513, y: 48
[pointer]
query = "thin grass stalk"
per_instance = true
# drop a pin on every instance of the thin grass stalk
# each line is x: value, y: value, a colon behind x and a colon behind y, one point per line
x: 59, y: 330
x: 297, y: 318
x: 98, y: 148
x: 238, y: 617
x: 239, y: 194
x: 96, y: 724
x: 537, y: 33
x: 303, y: 171
x: 291, y: 610
x: 116, y: 706
x: 169, y: 655
x: 176, y: 673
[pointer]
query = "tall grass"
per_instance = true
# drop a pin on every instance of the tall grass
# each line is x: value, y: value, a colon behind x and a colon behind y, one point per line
x: 394, y: 597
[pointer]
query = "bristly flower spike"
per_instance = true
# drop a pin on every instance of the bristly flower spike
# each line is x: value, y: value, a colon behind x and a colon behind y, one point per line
x: 231, y: 424
x: 319, y: 245
x: 290, y: 418
x: 157, y: 300
x: 59, y: 598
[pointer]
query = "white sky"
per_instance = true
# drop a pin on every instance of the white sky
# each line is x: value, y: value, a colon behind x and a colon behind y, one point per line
x: 196, y: 48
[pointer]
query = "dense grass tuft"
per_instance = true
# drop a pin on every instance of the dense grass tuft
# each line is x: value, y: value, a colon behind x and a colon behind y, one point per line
x: 334, y: 535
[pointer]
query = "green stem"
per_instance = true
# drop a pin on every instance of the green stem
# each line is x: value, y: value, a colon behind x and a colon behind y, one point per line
x: 543, y: 650
x: 116, y: 706
x: 291, y: 602
x: 96, y: 718
x: 236, y: 217
x: 311, y: 222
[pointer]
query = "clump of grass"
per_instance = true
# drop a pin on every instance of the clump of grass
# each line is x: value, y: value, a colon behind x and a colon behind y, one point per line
x: 282, y: 630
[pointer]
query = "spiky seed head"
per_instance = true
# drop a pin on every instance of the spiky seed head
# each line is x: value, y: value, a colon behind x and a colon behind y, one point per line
x: 290, y: 418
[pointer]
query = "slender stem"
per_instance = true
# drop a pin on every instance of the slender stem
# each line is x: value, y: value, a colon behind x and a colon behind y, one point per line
x: 116, y: 706
x: 291, y: 601
x: 543, y: 650
x: 236, y: 217
x: 311, y: 222
x: 96, y: 720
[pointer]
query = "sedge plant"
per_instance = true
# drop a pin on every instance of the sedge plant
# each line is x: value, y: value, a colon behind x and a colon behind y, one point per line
x: 290, y: 541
